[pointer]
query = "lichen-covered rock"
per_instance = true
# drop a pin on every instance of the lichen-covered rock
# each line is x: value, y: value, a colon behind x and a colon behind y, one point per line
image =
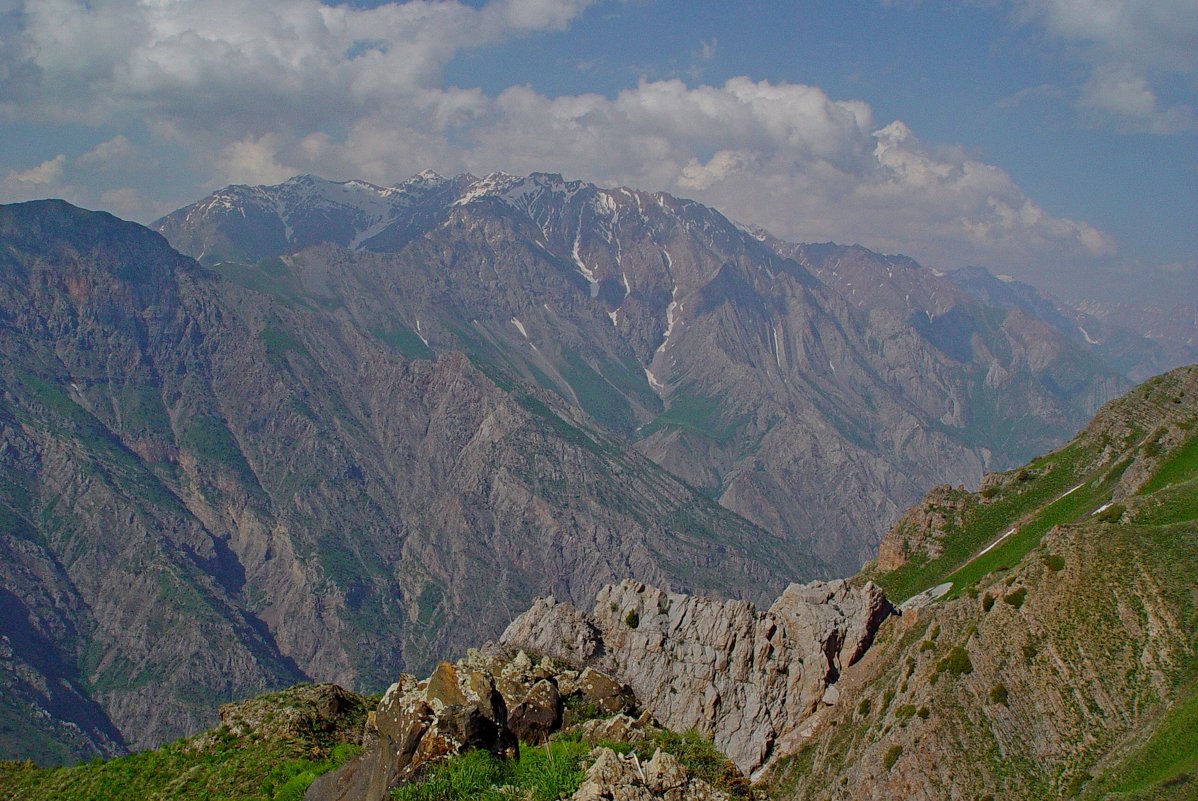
x: 618, y: 729
x: 623, y: 778
x: 608, y: 695
x: 300, y: 710
x: 490, y: 700
x: 538, y: 715
x: 744, y: 677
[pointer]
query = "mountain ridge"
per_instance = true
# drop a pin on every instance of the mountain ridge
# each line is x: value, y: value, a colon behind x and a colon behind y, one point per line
x: 184, y: 454
x: 719, y: 353
x: 309, y: 464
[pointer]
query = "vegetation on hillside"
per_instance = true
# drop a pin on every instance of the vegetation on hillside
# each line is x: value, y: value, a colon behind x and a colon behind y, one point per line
x: 268, y: 749
x: 556, y: 769
x: 1064, y: 661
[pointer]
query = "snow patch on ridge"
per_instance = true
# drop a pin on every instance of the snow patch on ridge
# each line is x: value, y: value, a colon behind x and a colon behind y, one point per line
x: 586, y: 272
x: 779, y: 354
x: 520, y: 326
x: 670, y: 318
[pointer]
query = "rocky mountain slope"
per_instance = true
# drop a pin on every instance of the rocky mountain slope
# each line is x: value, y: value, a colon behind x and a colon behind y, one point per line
x: 208, y: 492
x: 441, y: 400
x: 814, y: 390
x: 1062, y: 661
x: 1046, y: 648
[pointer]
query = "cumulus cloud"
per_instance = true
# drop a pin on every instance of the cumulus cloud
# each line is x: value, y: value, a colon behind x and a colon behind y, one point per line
x: 253, y: 160
x: 1133, y: 49
x: 228, y: 60
x: 111, y: 152
x: 255, y: 92
x: 122, y: 201
x: 46, y: 173
x: 43, y: 180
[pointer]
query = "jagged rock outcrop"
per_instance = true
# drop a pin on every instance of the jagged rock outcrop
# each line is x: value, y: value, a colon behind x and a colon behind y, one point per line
x: 490, y: 701
x: 742, y: 676
x: 456, y: 709
x: 618, y: 728
x: 612, y: 777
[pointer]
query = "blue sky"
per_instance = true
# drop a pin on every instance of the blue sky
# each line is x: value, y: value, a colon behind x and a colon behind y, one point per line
x: 1054, y: 140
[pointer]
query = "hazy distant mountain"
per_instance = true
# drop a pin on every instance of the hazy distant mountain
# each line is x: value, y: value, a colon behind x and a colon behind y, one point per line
x: 813, y: 399
x: 1137, y: 341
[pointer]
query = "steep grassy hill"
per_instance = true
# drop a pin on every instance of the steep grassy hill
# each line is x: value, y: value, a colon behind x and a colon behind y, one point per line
x: 1063, y: 660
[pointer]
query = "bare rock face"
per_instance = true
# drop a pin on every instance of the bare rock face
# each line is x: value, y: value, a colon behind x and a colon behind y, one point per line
x: 920, y: 528
x: 619, y: 728
x: 618, y: 778
x: 739, y: 675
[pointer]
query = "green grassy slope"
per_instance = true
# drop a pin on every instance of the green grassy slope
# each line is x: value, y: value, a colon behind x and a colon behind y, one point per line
x: 1153, y: 427
x: 267, y: 749
x: 1064, y: 661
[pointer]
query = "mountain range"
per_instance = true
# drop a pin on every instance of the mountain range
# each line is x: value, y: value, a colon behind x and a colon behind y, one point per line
x: 814, y: 389
x: 332, y: 431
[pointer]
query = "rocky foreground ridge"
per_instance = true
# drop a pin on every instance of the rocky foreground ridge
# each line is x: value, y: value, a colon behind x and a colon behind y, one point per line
x: 746, y: 678
x: 1057, y: 659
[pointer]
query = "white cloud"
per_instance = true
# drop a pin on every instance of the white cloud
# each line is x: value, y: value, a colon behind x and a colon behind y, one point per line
x: 42, y: 180
x: 44, y: 174
x: 1119, y: 93
x: 1133, y: 48
x: 789, y: 158
x: 253, y: 160
x: 122, y: 201
x: 223, y: 63
x: 255, y: 92
x: 110, y: 153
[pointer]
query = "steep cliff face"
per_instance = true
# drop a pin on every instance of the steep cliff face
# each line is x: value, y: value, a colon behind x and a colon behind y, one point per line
x: 747, y: 678
x: 1061, y: 662
x: 771, y: 376
x: 209, y: 491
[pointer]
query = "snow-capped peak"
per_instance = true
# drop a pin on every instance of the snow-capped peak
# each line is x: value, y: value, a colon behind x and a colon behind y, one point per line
x: 496, y: 183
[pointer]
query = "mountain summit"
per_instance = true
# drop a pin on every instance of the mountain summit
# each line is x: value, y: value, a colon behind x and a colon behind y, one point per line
x: 815, y: 389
